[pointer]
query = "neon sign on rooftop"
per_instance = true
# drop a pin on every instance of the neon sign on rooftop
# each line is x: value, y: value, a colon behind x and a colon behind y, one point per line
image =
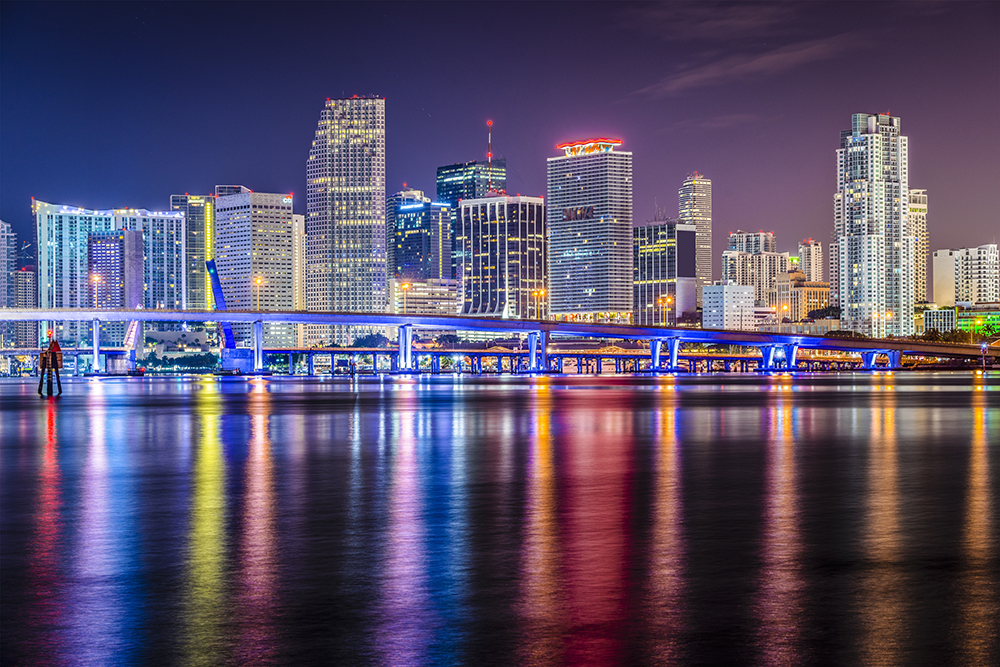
x: 588, y: 146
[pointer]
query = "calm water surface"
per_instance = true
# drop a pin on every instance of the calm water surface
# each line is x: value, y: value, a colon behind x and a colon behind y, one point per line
x: 779, y: 520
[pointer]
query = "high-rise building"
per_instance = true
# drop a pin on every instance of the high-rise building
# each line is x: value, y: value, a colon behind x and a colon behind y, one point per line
x: 967, y: 275
x: 26, y: 297
x: 811, y: 259
x: 504, y: 259
x: 589, y: 221
x: 224, y: 190
x: 752, y: 241
x: 8, y: 282
x: 872, y: 253
x: 299, y: 273
x: 918, y: 229
x: 199, y: 213
x: 468, y: 180
x: 253, y: 255
x: 758, y: 270
x: 63, y: 270
x: 664, y: 285
x: 694, y: 206
x: 115, y: 269
x: 421, y: 243
x: 405, y: 197
x: 728, y: 306
x: 795, y: 296
x: 345, y: 214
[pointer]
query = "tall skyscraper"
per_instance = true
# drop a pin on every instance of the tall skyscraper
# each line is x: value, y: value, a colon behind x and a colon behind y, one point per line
x: 421, y: 245
x: 405, y: 197
x: 694, y: 206
x: 115, y: 269
x: 504, y: 259
x: 26, y: 297
x: 589, y: 221
x: 199, y: 212
x: 811, y: 259
x: 969, y: 275
x: 468, y: 180
x: 345, y: 214
x: 8, y: 282
x: 872, y: 254
x: 299, y: 241
x: 63, y: 270
x: 918, y: 229
x: 664, y: 285
x: 752, y: 241
x: 253, y: 254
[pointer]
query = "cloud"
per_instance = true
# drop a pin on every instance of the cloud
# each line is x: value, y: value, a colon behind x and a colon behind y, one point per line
x: 738, y: 67
x: 713, y: 21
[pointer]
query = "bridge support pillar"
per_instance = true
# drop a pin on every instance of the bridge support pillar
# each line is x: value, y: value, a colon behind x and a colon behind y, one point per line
x: 868, y: 359
x: 790, y: 351
x: 291, y: 365
x: 655, y: 347
x: 538, y: 343
x: 767, y: 352
x: 258, y: 345
x: 96, y: 339
x: 895, y: 359
x: 673, y: 351
x: 311, y: 367
x: 435, y: 363
x: 405, y: 357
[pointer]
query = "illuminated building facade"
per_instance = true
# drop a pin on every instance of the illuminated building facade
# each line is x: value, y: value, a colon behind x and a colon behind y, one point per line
x: 794, y: 296
x: 421, y: 245
x: 589, y: 221
x: 199, y: 213
x: 694, y: 207
x: 468, y: 180
x: 663, y: 265
x: 967, y: 275
x: 8, y: 284
x: 299, y: 273
x: 728, y: 306
x: 405, y: 197
x: 758, y: 270
x: 918, y: 228
x: 752, y: 241
x: 115, y: 267
x: 345, y: 214
x: 253, y: 254
x: 504, y: 259
x: 26, y: 285
x: 811, y: 259
x: 873, y: 250
x: 63, y: 262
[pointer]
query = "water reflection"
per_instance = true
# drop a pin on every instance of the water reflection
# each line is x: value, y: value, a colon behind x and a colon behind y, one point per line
x: 542, y: 608
x: 206, y: 594
x: 979, y: 599
x: 779, y: 600
x: 47, y: 606
x: 882, y: 587
x: 257, y: 560
x: 668, y: 604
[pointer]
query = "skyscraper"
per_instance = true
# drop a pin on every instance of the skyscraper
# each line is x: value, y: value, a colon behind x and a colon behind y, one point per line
x: 504, y: 259
x: 663, y: 259
x: 253, y: 254
x: 199, y: 212
x: 115, y: 268
x: 752, y: 241
x: 872, y: 254
x: 8, y: 281
x: 811, y: 259
x: 404, y: 197
x: 299, y: 241
x: 26, y: 297
x: 969, y: 275
x: 918, y: 229
x: 421, y: 245
x: 694, y: 206
x: 589, y: 221
x: 756, y: 269
x: 345, y: 214
x: 468, y: 180
x: 63, y: 270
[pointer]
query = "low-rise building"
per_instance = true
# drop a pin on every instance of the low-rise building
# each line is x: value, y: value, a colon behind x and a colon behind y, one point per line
x: 795, y: 296
x: 942, y: 320
x: 726, y: 305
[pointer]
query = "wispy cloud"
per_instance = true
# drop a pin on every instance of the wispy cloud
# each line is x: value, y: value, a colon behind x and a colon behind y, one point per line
x: 749, y: 66
x: 713, y: 21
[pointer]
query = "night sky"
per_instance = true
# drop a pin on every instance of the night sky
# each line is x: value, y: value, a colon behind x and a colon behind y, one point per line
x: 124, y: 104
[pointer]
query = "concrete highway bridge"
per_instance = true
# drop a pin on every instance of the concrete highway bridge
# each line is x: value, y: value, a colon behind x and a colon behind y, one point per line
x: 663, y: 354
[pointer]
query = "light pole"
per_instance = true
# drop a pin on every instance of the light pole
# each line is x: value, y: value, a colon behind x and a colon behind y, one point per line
x: 661, y: 301
x: 257, y: 282
x: 97, y: 281
x: 406, y: 288
x: 539, y: 294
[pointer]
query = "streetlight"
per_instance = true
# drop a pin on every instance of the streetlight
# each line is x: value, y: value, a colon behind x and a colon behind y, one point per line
x: 257, y: 282
x: 97, y: 281
x: 661, y: 301
x: 406, y: 288
x: 539, y: 294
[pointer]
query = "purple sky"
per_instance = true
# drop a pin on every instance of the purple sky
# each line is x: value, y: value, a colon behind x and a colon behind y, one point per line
x: 122, y: 104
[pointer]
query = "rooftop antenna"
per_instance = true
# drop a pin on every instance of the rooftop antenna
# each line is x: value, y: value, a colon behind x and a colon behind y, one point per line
x: 489, y: 154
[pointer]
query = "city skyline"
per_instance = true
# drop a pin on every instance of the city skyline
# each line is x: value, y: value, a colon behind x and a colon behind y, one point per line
x: 726, y: 115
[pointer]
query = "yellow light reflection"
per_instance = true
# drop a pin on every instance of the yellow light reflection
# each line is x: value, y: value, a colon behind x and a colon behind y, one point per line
x: 779, y: 599
x: 258, y: 548
x: 667, y: 569
x: 881, y: 594
x: 542, y: 608
x: 206, y: 595
x: 978, y: 594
